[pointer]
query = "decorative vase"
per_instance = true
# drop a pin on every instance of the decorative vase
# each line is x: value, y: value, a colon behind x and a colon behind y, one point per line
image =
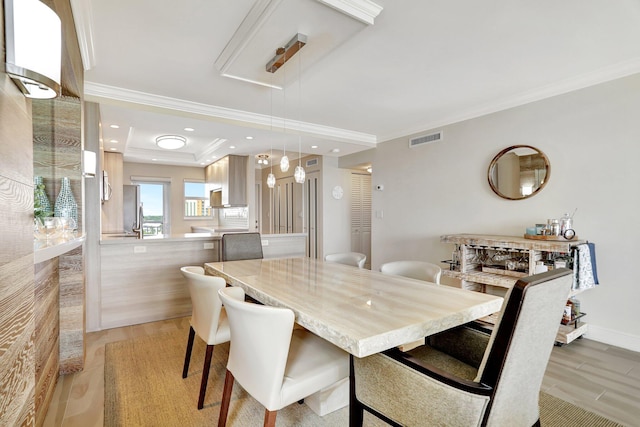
x: 41, y: 201
x: 66, y: 206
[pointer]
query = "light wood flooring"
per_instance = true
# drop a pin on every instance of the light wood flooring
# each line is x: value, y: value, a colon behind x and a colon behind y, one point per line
x: 598, y: 377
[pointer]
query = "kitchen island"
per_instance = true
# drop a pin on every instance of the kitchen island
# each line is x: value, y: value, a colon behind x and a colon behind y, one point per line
x: 140, y: 279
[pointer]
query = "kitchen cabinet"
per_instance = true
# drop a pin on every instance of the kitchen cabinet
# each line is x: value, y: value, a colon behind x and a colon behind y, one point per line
x: 480, y: 263
x: 228, y: 177
x: 112, y: 220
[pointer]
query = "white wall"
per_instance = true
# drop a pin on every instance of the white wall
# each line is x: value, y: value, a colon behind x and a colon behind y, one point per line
x: 336, y: 214
x: 592, y: 139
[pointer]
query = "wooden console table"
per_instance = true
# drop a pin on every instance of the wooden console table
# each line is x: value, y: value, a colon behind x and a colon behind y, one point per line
x: 473, y: 255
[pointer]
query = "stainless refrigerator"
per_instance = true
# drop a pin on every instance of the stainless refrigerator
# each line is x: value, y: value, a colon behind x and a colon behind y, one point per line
x: 132, y: 209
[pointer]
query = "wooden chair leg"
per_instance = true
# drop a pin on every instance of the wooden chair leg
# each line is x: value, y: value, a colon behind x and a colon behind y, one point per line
x: 205, y: 375
x: 187, y: 357
x: 270, y: 418
x: 226, y: 398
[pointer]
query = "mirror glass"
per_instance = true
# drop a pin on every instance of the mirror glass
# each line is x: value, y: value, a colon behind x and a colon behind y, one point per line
x: 519, y: 172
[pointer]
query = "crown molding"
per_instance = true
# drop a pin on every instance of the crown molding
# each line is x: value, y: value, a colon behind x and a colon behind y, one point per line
x: 602, y: 75
x: 363, y: 10
x: 210, y: 149
x: 160, y: 155
x: 83, y: 18
x: 257, y: 16
x: 98, y: 92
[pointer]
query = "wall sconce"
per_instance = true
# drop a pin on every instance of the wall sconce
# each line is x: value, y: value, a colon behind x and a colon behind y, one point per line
x: 88, y: 164
x: 33, y: 47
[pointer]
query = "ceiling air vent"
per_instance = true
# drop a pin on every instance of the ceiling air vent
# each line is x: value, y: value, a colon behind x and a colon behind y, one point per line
x: 425, y: 139
x: 312, y: 162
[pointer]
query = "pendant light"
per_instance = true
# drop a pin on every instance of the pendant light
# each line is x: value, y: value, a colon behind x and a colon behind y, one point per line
x: 284, y: 161
x: 299, y: 173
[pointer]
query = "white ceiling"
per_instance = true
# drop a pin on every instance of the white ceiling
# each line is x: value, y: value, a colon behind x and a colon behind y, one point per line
x: 155, y: 68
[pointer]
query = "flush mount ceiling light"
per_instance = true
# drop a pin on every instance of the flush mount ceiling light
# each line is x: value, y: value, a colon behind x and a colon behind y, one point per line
x: 284, y: 54
x: 171, y: 142
x: 33, y: 47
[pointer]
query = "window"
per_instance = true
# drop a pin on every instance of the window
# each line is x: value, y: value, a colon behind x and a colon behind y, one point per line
x: 155, y: 198
x: 196, y: 200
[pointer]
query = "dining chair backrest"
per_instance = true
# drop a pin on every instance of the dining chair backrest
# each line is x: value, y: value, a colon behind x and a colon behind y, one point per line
x: 260, y: 337
x: 420, y: 270
x: 519, y: 348
x: 355, y: 259
x: 239, y: 246
x: 205, y: 301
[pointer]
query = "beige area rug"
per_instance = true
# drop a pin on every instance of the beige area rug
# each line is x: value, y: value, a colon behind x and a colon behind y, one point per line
x: 144, y: 387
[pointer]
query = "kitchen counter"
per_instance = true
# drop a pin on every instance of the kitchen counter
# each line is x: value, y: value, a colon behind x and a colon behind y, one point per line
x: 108, y: 239
x: 140, y: 279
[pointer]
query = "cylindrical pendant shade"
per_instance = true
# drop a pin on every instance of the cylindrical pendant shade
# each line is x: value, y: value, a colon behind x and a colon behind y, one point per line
x: 33, y: 47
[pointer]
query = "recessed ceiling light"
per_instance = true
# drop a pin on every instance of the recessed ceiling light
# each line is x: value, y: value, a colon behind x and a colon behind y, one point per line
x: 248, y: 137
x: 335, y: 150
x: 202, y: 163
x: 114, y: 127
x: 314, y: 146
x: 113, y: 149
x: 232, y: 146
x: 115, y: 141
x: 171, y: 142
x: 155, y: 160
x: 189, y: 129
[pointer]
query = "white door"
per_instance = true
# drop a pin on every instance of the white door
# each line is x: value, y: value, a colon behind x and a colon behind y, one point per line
x: 361, y: 215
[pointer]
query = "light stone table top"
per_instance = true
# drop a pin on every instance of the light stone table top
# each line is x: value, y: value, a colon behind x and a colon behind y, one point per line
x: 361, y: 311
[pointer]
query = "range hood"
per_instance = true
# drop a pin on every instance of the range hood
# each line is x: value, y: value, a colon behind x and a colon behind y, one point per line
x: 229, y: 178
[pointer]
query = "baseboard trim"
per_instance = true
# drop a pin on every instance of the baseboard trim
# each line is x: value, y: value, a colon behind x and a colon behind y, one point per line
x: 612, y: 337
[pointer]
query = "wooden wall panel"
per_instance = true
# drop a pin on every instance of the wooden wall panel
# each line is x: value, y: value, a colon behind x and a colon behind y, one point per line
x: 15, y: 117
x: 18, y: 354
x: 47, y: 331
x: 17, y: 366
x: 72, y: 321
x: 17, y: 379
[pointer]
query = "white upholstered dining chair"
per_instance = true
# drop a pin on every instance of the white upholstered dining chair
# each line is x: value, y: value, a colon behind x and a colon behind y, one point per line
x: 355, y: 259
x: 208, y: 319
x: 465, y: 376
x: 420, y: 270
x: 273, y: 362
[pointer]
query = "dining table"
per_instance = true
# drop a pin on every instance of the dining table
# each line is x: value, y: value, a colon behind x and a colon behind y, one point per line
x: 361, y: 311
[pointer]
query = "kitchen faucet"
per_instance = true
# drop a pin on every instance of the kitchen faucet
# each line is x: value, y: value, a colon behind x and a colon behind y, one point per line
x: 138, y: 230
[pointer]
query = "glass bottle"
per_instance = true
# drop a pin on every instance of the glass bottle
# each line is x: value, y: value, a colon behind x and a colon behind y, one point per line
x: 66, y: 205
x: 41, y: 201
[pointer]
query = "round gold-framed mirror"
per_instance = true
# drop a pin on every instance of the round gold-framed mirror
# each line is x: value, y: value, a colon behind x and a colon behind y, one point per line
x: 519, y: 172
